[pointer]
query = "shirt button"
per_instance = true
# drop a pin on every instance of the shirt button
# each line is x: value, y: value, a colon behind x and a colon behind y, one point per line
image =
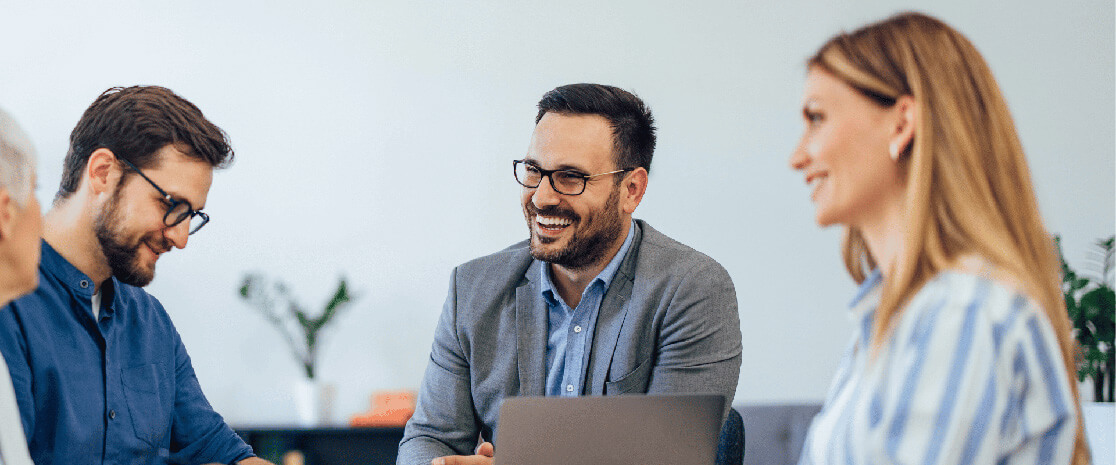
x: 84, y: 284
x: 112, y: 414
x: 577, y: 329
x: 569, y: 388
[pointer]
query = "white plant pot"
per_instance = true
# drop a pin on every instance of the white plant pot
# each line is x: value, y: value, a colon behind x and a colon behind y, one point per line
x: 1100, y: 430
x: 313, y: 402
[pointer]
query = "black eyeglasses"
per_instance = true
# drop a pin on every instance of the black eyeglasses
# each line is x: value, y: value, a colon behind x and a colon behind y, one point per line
x: 177, y: 210
x: 568, y: 182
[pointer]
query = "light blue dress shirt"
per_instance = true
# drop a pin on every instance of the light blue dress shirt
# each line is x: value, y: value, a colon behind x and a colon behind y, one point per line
x: 571, y: 330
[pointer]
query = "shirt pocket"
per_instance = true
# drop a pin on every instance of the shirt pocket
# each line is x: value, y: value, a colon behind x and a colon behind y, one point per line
x: 634, y: 381
x: 148, y: 402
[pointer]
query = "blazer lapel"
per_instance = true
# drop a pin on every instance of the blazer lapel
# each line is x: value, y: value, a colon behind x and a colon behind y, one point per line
x: 610, y: 319
x: 531, y: 322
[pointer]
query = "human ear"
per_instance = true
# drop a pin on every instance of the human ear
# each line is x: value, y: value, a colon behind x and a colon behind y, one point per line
x: 7, y: 213
x: 102, y: 172
x: 905, y: 123
x: 634, y: 186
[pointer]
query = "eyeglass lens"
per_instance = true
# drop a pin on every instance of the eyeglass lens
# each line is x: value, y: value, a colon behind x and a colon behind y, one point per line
x: 565, y: 182
x: 181, y: 212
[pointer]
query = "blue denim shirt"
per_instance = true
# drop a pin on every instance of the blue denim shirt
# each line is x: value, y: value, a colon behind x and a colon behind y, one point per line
x: 119, y: 390
x: 570, y: 333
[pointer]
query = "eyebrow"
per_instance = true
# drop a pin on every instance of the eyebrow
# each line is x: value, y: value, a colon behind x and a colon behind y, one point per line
x: 810, y: 105
x: 562, y: 167
x: 181, y: 199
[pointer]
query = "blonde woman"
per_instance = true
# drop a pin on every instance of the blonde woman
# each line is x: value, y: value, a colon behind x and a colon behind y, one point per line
x: 963, y: 351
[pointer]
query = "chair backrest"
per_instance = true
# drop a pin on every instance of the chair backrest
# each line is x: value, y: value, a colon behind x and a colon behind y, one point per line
x: 730, y: 448
x: 776, y: 431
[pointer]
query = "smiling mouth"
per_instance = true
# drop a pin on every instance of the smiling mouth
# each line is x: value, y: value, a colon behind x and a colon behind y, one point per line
x: 815, y: 182
x: 552, y: 224
x: 158, y: 251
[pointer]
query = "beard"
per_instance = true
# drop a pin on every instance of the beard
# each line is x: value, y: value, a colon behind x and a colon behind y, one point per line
x: 123, y: 257
x: 588, y: 243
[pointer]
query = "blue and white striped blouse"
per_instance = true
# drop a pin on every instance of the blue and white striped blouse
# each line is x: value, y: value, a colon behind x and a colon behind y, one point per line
x: 971, y: 373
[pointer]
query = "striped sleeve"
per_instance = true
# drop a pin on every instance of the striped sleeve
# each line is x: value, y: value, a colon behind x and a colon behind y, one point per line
x: 973, y: 376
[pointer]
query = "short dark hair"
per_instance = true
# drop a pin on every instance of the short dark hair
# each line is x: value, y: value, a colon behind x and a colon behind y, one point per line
x: 633, y: 127
x: 134, y: 123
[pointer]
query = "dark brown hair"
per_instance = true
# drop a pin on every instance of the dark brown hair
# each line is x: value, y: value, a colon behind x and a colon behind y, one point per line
x: 134, y: 123
x: 633, y: 127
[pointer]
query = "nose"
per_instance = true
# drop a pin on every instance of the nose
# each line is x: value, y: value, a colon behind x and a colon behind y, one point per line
x: 799, y: 159
x: 545, y: 195
x: 178, y: 234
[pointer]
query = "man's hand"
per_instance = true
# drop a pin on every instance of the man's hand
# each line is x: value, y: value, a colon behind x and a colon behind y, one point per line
x: 485, y: 456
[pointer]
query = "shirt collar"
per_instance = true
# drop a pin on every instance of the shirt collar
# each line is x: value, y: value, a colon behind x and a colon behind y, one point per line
x: 54, y: 264
x: 868, y: 288
x: 549, y: 292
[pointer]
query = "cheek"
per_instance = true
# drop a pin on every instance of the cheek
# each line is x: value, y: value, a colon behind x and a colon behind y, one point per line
x: 825, y: 146
x: 813, y: 147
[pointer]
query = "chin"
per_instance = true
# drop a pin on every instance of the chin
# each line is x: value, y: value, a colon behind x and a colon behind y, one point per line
x: 544, y: 248
x: 826, y: 216
x: 823, y: 219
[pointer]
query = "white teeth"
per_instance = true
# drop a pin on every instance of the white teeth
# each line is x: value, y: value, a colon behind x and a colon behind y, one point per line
x: 814, y: 181
x: 547, y: 221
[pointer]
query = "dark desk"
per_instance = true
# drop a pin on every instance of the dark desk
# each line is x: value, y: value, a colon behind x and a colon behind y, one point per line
x: 326, y: 446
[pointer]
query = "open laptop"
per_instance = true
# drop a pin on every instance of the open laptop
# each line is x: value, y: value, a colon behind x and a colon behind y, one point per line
x: 610, y: 430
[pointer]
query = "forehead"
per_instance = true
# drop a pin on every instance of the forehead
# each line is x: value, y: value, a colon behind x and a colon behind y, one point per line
x: 182, y: 176
x: 572, y: 141
x: 823, y: 86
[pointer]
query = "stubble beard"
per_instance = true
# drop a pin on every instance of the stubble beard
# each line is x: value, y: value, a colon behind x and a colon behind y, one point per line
x: 123, y: 258
x: 587, y: 246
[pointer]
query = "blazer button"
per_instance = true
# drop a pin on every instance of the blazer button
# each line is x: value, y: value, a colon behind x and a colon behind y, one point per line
x: 84, y: 284
x: 112, y: 414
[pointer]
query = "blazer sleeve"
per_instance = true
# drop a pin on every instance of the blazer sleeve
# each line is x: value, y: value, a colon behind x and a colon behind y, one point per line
x: 443, y: 422
x: 698, y: 348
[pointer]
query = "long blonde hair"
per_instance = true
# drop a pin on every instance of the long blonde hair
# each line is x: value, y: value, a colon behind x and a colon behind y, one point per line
x: 969, y: 189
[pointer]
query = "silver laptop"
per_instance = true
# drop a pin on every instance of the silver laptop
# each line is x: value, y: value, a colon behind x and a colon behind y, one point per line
x: 609, y: 430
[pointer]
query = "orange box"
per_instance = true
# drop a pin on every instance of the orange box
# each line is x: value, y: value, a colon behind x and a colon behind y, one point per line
x: 389, y: 408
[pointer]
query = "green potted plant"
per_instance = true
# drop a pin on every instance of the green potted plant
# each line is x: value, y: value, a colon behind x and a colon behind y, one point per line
x: 302, y: 332
x: 1090, y: 302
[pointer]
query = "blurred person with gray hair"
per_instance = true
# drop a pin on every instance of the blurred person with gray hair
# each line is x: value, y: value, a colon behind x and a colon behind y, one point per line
x: 20, y: 228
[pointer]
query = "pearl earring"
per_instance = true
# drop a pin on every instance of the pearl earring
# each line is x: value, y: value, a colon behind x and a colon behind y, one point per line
x: 893, y: 150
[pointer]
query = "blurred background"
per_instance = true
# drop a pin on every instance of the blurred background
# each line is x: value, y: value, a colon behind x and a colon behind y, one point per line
x: 374, y: 141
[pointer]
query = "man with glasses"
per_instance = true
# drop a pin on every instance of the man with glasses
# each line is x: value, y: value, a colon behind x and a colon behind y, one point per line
x: 98, y: 368
x: 592, y: 303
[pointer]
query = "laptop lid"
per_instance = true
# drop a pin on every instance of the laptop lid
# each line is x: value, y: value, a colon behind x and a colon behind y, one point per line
x: 609, y: 430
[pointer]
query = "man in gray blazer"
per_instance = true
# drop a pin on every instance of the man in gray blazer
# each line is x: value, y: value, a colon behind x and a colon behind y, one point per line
x: 593, y: 303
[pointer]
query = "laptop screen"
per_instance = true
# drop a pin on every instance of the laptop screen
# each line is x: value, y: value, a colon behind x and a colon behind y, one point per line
x: 609, y: 430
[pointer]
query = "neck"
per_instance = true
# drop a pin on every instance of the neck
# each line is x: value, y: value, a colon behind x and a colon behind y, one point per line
x: 68, y: 228
x: 883, y: 233
x: 571, y: 282
x: 10, y: 288
x: 8, y: 294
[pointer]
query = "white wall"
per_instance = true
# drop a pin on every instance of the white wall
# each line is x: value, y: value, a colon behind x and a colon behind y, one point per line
x: 374, y: 140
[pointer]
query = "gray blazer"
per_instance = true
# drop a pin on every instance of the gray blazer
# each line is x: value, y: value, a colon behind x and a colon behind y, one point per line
x: 668, y: 324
